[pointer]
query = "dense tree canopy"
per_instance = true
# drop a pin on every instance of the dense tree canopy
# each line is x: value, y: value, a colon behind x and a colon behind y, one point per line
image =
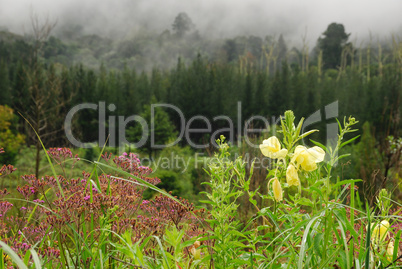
x: 182, y: 24
x: 332, y: 43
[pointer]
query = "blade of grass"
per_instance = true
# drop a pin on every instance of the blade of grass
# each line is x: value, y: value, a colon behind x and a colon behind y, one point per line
x: 100, y: 259
x: 334, y: 253
x: 36, y: 205
x: 36, y: 259
x: 2, y: 258
x: 141, y: 181
x: 47, y: 156
x: 14, y: 256
x: 162, y: 250
x: 95, y: 166
x: 345, y: 243
x: 62, y: 253
x: 304, y: 242
x: 397, y: 240
x: 368, y: 238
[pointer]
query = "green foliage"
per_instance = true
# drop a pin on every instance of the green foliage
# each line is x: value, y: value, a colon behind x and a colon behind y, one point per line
x: 332, y: 44
x: 10, y: 140
x: 305, y: 230
x: 158, y: 132
x: 222, y: 197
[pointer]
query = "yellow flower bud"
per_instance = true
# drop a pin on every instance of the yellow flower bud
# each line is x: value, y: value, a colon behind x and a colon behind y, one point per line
x: 271, y: 148
x: 308, y: 158
x: 292, y: 178
x: 390, y: 250
x: 276, y: 186
x: 380, y: 231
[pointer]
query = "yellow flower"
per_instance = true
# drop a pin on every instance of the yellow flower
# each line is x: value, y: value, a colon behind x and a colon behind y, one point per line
x: 380, y: 231
x: 276, y: 186
x: 271, y: 148
x: 390, y: 250
x: 292, y: 178
x: 308, y: 158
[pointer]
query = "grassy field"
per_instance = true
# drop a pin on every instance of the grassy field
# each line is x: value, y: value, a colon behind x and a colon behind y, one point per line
x: 100, y: 212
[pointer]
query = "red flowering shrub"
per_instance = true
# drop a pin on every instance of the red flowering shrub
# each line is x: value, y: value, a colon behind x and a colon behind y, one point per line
x: 60, y: 211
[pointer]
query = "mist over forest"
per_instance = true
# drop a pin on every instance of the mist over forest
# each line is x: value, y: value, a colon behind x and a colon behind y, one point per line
x: 140, y: 34
x: 212, y: 18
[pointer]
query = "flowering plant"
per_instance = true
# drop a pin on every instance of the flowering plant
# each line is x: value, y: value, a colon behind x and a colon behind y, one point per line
x: 318, y: 224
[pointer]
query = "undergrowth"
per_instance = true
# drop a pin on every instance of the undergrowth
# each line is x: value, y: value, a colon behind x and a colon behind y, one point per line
x: 304, y: 217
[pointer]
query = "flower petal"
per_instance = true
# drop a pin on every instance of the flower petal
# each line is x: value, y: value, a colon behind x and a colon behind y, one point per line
x: 281, y: 154
x: 292, y: 178
x: 271, y: 148
x: 266, y: 150
x: 276, y: 186
x: 317, y: 153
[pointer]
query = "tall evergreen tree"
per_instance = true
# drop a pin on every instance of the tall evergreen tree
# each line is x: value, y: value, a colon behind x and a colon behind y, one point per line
x: 160, y: 128
x: 182, y: 24
x: 282, y: 51
x: 332, y: 43
x: 5, y: 89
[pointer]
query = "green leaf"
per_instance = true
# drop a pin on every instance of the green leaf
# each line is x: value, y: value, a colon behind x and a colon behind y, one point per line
x: 27, y: 256
x: 317, y: 190
x: 318, y: 144
x: 207, y: 202
x: 339, y: 124
x: 344, y: 182
x: 341, y: 216
x: 299, y: 126
x: 316, y: 243
x: 237, y: 233
x: 304, y: 201
x: 239, y: 244
x: 349, y: 141
x: 306, y: 134
x: 343, y: 156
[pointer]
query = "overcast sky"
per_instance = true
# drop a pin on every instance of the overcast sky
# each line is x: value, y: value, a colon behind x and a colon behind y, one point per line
x: 224, y: 18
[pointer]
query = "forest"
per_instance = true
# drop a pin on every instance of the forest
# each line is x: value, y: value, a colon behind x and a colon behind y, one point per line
x: 39, y: 82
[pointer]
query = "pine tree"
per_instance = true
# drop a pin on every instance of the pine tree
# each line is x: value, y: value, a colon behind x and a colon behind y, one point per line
x: 5, y: 89
x: 163, y: 130
x: 332, y: 43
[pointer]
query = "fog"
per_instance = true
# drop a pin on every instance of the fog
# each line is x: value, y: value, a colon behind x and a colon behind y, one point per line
x: 213, y: 18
